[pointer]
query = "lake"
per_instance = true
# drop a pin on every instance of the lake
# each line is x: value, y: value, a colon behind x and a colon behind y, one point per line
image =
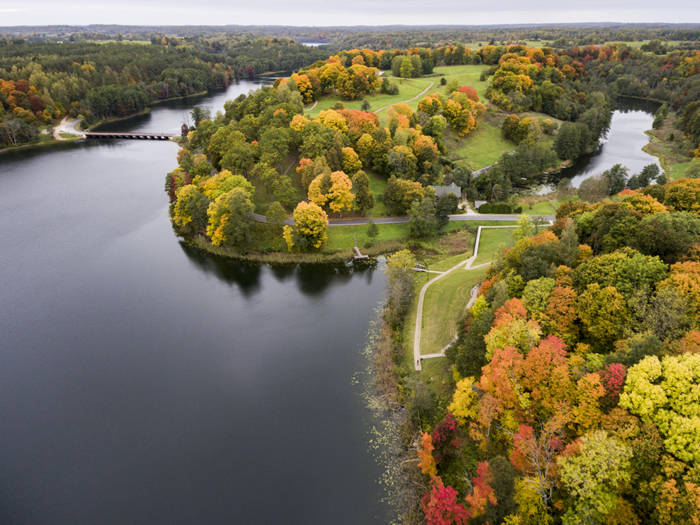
x: 144, y: 382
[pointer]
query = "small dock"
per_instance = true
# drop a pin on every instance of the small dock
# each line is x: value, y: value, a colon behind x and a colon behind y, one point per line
x: 359, y: 256
x: 127, y: 135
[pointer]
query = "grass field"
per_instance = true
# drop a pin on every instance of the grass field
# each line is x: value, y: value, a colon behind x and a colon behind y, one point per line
x: 481, y: 148
x: 683, y: 169
x: 377, y: 185
x: 408, y: 88
x: 444, y: 305
x: 492, y: 240
x: 469, y: 75
x: 528, y: 43
x: 342, y: 237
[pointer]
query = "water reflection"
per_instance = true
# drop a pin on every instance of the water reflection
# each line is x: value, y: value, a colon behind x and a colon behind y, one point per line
x: 622, y: 145
x: 311, y: 279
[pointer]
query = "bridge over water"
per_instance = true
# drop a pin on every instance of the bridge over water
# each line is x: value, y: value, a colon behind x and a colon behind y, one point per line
x: 128, y: 135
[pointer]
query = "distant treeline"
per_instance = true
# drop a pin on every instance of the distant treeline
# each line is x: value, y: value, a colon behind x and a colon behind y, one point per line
x: 42, y: 82
x: 380, y: 37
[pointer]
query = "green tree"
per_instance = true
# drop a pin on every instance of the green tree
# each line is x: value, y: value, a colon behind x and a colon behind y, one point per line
x: 604, y: 314
x: 364, y: 199
x: 199, y: 114
x: 569, y: 243
x: 571, y: 140
x: 617, y: 178
x: 525, y: 228
x: 421, y: 218
x: 276, y: 214
x: 594, y: 477
x: 372, y: 229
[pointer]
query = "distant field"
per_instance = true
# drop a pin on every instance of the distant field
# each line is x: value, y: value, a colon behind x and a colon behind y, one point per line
x: 640, y: 43
x: 528, y: 43
x: 136, y: 42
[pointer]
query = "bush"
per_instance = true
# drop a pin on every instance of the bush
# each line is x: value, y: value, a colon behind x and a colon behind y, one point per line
x: 499, y: 207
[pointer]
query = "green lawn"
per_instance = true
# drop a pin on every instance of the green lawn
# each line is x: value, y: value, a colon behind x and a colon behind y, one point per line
x: 469, y: 75
x: 444, y: 305
x: 377, y: 185
x: 681, y: 170
x: 481, y: 148
x: 408, y: 88
x: 492, y: 240
x: 342, y: 237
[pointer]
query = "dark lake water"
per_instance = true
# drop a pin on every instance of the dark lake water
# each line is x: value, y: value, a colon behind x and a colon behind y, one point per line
x: 622, y: 145
x: 143, y: 382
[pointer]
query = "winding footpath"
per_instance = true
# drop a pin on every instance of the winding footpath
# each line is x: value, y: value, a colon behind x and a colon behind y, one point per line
x: 465, y: 265
x: 407, y: 100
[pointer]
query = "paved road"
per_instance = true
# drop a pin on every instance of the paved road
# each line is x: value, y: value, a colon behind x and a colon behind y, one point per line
x: 460, y: 217
x: 399, y: 220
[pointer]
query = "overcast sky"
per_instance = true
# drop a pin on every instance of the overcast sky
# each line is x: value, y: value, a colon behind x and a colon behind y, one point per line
x: 341, y: 12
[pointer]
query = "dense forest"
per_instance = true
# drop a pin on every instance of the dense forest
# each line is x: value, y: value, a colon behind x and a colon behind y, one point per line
x: 42, y: 82
x: 575, y: 392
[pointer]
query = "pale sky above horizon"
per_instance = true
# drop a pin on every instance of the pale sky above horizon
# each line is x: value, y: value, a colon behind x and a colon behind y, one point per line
x: 341, y: 12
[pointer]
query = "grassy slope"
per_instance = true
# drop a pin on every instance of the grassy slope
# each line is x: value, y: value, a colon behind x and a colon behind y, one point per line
x: 444, y: 306
x: 492, y: 240
x: 481, y: 148
x: 377, y: 185
x: 408, y: 88
x: 672, y: 154
x: 445, y: 300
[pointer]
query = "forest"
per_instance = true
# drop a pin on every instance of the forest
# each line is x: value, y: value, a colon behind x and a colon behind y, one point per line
x: 40, y: 83
x: 324, y: 167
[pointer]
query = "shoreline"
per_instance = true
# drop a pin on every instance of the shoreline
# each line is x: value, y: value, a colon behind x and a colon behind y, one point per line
x: 338, y: 257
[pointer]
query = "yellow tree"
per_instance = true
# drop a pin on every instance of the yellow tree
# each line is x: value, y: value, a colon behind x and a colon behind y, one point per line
x: 309, y: 230
x: 332, y: 191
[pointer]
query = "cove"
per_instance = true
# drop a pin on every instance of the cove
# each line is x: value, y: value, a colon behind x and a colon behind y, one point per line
x: 144, y: 382
x: 622, y: 144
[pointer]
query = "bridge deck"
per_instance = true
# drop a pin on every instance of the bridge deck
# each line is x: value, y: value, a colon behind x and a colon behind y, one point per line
x: 128, y: 135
